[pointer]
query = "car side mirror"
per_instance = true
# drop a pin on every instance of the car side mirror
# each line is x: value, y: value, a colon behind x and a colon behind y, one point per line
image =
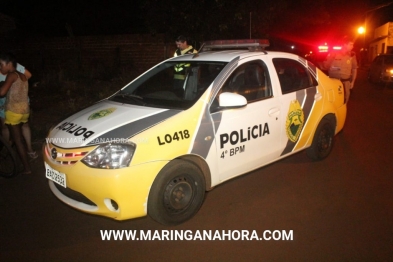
x: 231, y: 100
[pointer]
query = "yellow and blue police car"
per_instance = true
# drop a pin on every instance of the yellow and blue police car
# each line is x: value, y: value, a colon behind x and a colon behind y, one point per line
x: 151, y: 150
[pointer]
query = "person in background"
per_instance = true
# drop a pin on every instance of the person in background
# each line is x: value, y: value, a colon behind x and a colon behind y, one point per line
x: 17, y: 110
x: 343, y: 65
x: 25, y: 127
x: 183, y: 47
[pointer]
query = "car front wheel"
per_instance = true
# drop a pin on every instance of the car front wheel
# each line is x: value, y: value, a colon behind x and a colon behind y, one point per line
x: 177, y: 193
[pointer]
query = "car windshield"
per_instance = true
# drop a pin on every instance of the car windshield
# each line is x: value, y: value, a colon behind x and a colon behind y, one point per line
x: 175, y: 85
x: 388, y: 60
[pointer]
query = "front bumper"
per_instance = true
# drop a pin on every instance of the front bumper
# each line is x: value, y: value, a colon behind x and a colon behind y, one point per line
x: 116, y: 193
x: 387, y: 78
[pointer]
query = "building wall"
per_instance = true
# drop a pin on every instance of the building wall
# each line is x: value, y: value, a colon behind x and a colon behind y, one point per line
x: 382, y: 42
x: 139, y: 52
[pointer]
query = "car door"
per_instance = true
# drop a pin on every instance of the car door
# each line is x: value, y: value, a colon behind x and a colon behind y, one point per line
x: 247, y: 137
x: 299, y: 93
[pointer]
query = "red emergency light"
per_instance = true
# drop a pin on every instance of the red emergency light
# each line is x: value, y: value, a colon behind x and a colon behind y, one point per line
x: 323, y: 48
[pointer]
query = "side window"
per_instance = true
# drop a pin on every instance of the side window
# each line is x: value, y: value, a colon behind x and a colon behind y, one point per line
x: 250, y: 80
x: 292, y: 75
x: 388, y: 60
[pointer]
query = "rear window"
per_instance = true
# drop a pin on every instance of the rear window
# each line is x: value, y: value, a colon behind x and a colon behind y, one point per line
x: 293, y: 75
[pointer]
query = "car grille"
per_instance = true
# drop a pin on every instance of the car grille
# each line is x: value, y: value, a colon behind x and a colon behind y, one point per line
x: 75, y: 195
x: 64, y: 156
x: 387, y: 78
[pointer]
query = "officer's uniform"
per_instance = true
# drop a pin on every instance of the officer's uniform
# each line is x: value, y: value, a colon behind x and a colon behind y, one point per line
x: 181, y: 70
x: 340, y: 66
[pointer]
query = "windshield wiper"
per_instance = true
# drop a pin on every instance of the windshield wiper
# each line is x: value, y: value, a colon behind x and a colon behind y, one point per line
x: 125, y: 94
x: 132, y: 97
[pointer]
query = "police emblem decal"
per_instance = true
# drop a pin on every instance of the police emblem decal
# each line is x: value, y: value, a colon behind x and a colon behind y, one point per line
x: 101, y: 113
x: 295, y: 121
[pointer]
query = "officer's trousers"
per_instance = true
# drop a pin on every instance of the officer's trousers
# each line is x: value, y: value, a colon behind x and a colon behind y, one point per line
x: 347, y: 89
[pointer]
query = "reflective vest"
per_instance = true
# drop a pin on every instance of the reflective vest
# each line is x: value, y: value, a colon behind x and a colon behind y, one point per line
x: 189, y: 50
x: 180, y: 69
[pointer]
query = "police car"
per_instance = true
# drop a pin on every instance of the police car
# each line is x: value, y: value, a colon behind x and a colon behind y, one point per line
x: 148, y: 150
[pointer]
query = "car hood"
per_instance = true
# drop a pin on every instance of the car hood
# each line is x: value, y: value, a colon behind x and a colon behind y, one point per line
x: 104, y: 122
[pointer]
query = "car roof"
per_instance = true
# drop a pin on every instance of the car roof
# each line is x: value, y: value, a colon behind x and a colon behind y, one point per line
x: 385, y: 55
x: 229, y: 55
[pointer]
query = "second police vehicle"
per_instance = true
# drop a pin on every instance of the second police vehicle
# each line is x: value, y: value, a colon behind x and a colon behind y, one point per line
x: 148, y: 150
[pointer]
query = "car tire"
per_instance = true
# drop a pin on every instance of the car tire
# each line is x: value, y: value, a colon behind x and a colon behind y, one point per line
x: 322, y: 143
x: 177, y: 193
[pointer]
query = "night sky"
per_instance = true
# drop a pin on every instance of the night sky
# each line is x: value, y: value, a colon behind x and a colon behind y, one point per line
x: 83, y: 17
x: 86, y: 17
x: 346, y: 16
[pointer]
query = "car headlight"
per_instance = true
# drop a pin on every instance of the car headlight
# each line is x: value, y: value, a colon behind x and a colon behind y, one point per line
x: 389, y: 71
x: 110, y: 156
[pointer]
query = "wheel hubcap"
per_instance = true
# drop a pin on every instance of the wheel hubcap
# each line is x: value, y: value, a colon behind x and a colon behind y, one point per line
x: 324, y: 140
x: 178, y: 194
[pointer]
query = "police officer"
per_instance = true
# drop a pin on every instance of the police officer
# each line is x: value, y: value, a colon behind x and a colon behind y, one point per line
x: 183, y: 47
x: 181, y: 69
x: 343, y: 65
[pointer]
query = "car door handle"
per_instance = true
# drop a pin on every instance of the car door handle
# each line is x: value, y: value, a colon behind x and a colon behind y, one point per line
x: 275, y: 111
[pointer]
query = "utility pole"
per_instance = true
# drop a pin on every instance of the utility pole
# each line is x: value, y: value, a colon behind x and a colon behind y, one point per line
x: 250, y: 25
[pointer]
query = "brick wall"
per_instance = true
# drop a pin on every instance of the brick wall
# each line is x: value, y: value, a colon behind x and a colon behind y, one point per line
x: 138, y: 52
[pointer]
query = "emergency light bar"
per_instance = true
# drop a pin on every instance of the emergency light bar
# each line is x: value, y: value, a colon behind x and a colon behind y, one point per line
x: 325, y: 48
x: 251, y: 44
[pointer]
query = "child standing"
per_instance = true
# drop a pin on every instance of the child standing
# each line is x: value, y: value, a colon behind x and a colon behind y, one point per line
x: 17, y: 110
x: 26, y: 131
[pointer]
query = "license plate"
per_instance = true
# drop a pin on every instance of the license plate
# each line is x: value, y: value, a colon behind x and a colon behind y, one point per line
x: 55, y: 176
